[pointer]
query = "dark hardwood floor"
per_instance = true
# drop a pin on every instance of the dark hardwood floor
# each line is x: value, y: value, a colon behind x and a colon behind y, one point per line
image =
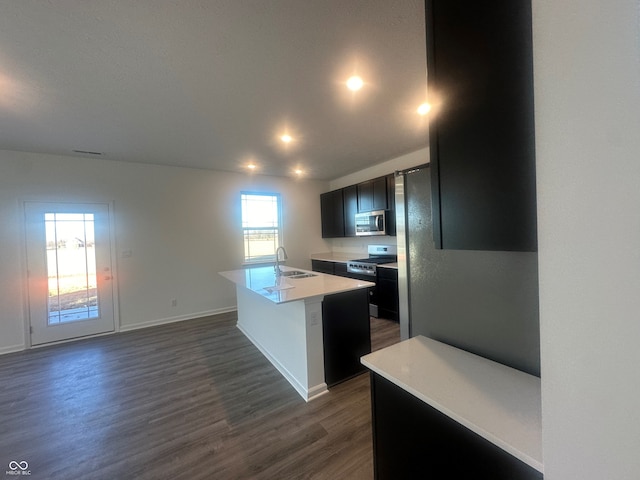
x: 190, y: 400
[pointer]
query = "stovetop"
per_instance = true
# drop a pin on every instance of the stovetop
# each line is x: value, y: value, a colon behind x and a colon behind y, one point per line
x: 376, y: 260
x: 378, y: 255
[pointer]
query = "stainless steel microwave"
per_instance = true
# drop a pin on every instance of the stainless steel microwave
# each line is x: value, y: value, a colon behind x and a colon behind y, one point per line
x: 371, y: 223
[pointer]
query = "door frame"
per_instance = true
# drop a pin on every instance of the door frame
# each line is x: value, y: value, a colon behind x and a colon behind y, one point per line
x: 25, y: 267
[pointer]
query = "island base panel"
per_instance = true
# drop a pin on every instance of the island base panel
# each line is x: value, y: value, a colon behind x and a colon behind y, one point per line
x: 347, y: 334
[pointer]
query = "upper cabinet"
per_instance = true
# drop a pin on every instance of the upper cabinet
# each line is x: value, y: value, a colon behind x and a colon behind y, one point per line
x: 350, y: 196
x: 391, y: 204
x: 332, y: 214
x: 372, y: 195
x: 480, y: 80
x: 339, y: 207
x: 391, y: 191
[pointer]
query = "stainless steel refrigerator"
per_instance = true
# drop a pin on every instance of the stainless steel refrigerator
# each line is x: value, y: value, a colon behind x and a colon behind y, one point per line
x: 413, y: 227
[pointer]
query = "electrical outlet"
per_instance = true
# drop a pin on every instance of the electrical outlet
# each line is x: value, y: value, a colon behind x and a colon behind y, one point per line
x: 174, y: 302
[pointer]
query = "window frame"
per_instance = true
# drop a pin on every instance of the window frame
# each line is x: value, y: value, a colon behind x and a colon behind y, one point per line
x: 262, y: 259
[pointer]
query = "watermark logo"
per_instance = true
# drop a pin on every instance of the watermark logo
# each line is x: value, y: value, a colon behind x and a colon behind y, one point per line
x: 18, y: 468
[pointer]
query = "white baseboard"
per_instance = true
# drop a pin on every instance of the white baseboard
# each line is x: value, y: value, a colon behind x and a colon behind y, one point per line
x: 12, y: 349
x: 307, y: 394
x: 180, y: 318
x: 135, y: 326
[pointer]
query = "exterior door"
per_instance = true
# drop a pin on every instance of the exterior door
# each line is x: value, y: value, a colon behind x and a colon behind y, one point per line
x: 69, y: 268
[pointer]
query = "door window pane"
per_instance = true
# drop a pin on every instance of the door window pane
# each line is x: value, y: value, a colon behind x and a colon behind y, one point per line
x: 71, y: 267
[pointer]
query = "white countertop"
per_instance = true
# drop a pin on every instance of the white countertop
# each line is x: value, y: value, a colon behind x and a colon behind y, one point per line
x: 499, y: 403
x: 262, y: 280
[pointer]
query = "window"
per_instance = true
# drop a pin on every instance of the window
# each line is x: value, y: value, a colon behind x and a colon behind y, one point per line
x: 260, y: 226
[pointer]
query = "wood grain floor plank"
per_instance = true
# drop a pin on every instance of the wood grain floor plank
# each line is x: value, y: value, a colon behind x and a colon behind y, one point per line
x: 190, y: 400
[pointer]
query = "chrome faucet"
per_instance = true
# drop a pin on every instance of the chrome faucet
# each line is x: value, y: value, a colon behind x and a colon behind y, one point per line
x: 277, y: 265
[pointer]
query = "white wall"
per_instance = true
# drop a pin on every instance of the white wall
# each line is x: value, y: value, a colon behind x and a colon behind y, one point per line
x: 181, y: 225
x: 587, y: 96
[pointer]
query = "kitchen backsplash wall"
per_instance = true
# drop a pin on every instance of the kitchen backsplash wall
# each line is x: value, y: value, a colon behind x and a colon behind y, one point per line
x: 358, y: 245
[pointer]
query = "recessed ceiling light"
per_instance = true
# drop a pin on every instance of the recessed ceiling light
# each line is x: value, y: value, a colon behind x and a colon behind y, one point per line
x: 298, y: 171
x: 251, y: 166
x: 424, y: 109
x: 286, y: 138
x: 355, y: 83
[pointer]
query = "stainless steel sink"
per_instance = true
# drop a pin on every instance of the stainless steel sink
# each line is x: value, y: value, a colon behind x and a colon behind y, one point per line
x: 291, y: 273
x: 303, y: 275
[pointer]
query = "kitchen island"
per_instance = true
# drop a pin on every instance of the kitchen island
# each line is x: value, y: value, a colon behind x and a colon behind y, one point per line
x: 283, y: 316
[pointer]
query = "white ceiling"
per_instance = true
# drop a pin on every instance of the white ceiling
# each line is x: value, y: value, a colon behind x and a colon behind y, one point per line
x: 212, y: 83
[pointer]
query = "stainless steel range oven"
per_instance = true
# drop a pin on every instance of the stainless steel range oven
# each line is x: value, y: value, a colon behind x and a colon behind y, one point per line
x: 366, y: 269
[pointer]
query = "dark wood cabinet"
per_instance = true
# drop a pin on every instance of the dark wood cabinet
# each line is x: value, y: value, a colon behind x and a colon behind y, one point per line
x: 332, y: 214
x: 372, y: 195
x: 340, y: 269
x: 380, y: 194
x: 365, y: 196
x: 390, y: 181
x: 323, y: 266
x: 391, y: 204
x: 350, y: 200
x: 332, y: 268
x: 387, y: 290
x: 346, y: 334
x: 411, y: 439
x: 479, y: 62
x: 338, y: 208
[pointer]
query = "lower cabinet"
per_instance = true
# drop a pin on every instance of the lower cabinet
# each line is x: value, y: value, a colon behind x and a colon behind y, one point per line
x: 387, y: 289
x: 346, y: 334
x: 340, y: 269
x: 323, y: 266
x: 414, y: 440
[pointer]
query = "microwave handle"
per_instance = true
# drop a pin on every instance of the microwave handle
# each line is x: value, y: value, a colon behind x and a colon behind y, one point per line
x: 380, y: 222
